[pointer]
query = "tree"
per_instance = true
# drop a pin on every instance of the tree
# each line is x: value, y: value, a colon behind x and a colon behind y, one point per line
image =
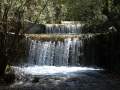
x: 11, y: 16
x: 112, y: 10
x: 87, y: 11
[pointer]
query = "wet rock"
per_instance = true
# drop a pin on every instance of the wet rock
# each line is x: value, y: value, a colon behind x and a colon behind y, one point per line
x: 35, y: 79
x: 9, y: 78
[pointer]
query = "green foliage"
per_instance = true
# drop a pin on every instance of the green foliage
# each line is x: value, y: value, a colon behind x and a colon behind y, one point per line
x: 87, y: 11
x: 53, y: 11
x: 8, y: 69
x: 91, y: 12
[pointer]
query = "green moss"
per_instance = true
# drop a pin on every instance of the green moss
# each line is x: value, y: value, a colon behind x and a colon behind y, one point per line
x: 55, y: 37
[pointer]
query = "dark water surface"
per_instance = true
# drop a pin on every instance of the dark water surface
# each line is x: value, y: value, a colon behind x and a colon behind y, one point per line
x: 74, y: 80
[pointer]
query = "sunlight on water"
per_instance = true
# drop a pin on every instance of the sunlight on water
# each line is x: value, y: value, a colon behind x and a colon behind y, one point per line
x: 52, y: 70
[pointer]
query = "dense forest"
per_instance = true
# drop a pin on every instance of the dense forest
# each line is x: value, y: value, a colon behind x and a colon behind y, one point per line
x: 50, y: 11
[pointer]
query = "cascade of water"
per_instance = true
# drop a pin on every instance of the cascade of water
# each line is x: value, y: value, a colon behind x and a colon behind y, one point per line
x: 63, y: 28
x: 57, y: 53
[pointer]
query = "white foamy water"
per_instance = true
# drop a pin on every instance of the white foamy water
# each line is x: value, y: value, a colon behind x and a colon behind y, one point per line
x: 51, y: 70
x: 64, y: 28
x: 55, y: 53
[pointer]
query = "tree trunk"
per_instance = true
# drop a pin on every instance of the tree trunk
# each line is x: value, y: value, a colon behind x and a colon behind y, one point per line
x: 3, y: 64
x: 0, y: 10
x: 3, y: 54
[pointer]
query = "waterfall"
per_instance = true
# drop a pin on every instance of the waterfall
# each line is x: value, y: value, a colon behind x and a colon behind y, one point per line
x: 64, y: 28
x: 55, y: 53
x: 60, y: 52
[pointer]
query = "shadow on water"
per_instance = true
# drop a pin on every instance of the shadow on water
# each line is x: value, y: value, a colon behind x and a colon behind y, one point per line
x: 81, y: 78
x: 53, y: 78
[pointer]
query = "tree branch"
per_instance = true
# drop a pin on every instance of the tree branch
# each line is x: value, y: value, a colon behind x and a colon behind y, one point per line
x: 41, y: 11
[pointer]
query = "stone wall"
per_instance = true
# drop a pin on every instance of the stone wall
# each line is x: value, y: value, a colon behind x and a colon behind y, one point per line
x: 104, y: 51
x: 12, y: 46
